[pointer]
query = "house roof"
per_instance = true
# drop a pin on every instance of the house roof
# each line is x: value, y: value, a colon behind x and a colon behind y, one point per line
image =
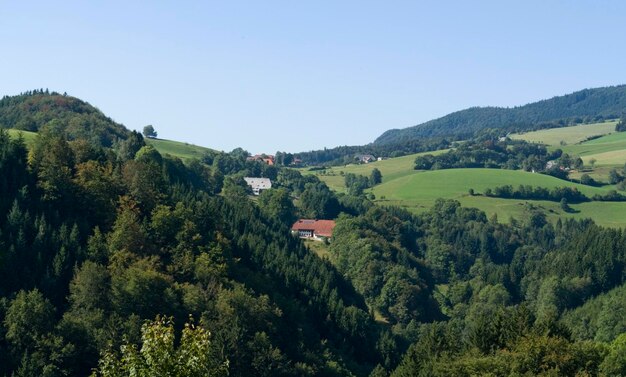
x: 258, y: 182
x: 322, y: 228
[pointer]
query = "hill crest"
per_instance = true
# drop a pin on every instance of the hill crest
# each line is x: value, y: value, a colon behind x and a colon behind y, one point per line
x: 584, y: 105
x: 34, y: 110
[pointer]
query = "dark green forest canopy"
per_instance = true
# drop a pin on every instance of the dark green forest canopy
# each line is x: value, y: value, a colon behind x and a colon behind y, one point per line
x: 582, y: 106
x: 34, y: 110
x: 120, y: 259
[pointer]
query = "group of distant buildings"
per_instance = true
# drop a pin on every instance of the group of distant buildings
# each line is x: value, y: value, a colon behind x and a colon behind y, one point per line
x: 305, y: 228
x: 318, y: 230
x: 270, y: 159
x: 366, y: 158
x: 265, y: 158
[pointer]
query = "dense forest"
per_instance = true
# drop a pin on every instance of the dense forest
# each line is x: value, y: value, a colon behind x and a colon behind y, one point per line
x: 118, y: 261
x: 30, y: 111
x: 583, y: 106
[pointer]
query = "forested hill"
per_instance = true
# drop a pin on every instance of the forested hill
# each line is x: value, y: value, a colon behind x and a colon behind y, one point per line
x: 38, y: 109
x: 584, y: 105
x: 119, y: 261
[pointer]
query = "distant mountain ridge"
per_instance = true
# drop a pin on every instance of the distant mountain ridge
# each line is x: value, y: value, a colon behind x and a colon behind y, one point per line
x: 583, y: 105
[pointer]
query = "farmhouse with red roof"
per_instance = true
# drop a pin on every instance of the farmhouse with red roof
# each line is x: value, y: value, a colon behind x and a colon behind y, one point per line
x: 315, y: 229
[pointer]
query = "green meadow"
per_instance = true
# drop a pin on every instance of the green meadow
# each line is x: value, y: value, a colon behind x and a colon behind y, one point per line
x: 606, y: 151
x: 417, y: 192
x: 390, y: 169
x: 455, y: 183
x: 567, y: 135
x: 29, y: 137
x: 183, y: 151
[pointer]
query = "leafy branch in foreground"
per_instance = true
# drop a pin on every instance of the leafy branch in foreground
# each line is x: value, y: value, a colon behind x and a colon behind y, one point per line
x: 158, y: 355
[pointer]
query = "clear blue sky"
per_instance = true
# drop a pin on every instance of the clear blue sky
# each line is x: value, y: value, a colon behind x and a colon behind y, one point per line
x: 302, y: 75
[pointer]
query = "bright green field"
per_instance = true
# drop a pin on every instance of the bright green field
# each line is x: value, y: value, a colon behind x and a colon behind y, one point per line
x: 454, y: 183
x: 177, y: 149
x: 569, y: 135
x: 417, y: 192
x: 29, y: 137
x: 608, y: 150
x: 390, y: 169
x: 183, y: 151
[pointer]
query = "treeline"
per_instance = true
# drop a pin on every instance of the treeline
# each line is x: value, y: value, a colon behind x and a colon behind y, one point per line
x: 345, y: 154
x: 489, y: 152
x: 585, y: 106
x: 556, y: 194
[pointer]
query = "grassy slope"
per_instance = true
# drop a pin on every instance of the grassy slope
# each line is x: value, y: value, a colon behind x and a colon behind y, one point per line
x: 174, y: 148
x: 570, y: 135
x: 29, y: 137
x: 456, y: 183
x: 177, y: 149
x: 608, y: 150
x: 417, y: 192
x: 390, y: 169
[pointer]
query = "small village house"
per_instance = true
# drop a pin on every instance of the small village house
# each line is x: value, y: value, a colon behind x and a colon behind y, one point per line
x: 364, y: 158
x: 258, y: 184
x: 265, y: 158
x: 313, y: 229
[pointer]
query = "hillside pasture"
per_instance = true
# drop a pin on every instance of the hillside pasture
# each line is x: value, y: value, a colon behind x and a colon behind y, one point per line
x: 418, y: 192
x: 29, y: 137
x: 178, y: 149
x: 608, y: 143
x: 183, y: 151
x: 390, y: 169
x: 612, y: 158
x: 567, y: 135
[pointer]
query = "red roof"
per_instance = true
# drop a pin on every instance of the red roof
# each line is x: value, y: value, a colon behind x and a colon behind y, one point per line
x: 322, y: 228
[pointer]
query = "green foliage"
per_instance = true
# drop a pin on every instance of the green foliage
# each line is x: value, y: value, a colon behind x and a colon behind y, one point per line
x: 278, y: 205
x: 148, y: 131
x: 600, y: 318
x: 376, y: 177
x: 487, y: 152
x: 114, y: 237
x: 356, y: 183
x: 614, y: 177
x: 615, y: 362
x: 32, y: 111
x: 586, y: 179
x: 371, y: 251
x: 29, y: 317
x: 317, y: 202
x: 195, y: 355
x: 621, y: 126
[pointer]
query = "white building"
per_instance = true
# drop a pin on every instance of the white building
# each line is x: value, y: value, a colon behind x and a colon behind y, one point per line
x: 258, y: 184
